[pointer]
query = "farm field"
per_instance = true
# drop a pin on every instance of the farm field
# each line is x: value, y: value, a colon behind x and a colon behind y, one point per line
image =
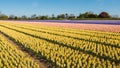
x: 60, y: 47
x: 110, y: 22
x: 96, y: 25
x: 11, y: 57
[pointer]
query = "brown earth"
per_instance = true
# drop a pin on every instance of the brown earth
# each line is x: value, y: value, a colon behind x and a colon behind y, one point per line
x: 97, y: 27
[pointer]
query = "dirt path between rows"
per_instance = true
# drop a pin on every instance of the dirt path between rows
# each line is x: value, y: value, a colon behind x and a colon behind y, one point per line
x: 41, y: 64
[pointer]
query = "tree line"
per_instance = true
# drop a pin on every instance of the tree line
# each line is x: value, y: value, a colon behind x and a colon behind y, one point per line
x: 66, y: 16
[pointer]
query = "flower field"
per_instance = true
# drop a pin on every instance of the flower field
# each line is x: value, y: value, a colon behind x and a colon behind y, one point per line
x: 10, y: 57
x: 60, y: 47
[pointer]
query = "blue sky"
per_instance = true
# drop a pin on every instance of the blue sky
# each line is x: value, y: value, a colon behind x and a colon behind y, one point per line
x: 49, y: 7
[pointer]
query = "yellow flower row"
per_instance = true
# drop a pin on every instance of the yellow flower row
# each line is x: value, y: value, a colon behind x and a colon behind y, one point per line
x: 63, y: 56
x: 11, y: 57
